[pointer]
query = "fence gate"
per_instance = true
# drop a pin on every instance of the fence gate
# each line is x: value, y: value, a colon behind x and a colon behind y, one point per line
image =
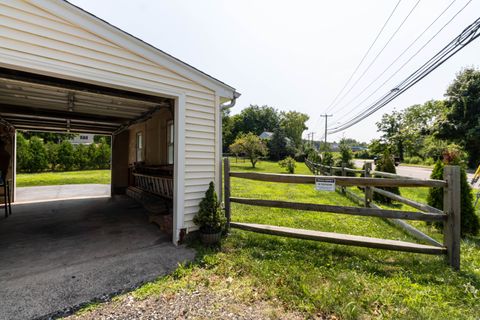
x: 450, y: 215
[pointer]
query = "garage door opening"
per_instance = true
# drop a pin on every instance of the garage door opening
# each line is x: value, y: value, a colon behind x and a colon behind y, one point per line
x: 53, y: 166
x: 130, y: 133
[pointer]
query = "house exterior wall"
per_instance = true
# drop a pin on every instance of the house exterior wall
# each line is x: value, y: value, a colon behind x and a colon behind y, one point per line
x: 35, y: 40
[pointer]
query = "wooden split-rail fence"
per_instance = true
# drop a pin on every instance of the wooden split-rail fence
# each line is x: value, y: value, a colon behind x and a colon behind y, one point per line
x: 450, y: 215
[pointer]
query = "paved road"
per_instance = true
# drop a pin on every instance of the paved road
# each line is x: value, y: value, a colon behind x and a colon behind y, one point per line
x: 67, y: 191
x: 414, y: 172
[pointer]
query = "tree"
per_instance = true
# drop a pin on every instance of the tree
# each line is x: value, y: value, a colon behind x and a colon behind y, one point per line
x: 82, y: 161
x: 293, y: 123
x: 66, y: 155
x: 469, y: 223
x: 250, y: 145
x: 277, y: 145
x: 52, y: 155
x: 24, y: 155
x: 38, y: 161
x: 256, y: 119
x: 103, y: 155
x: 386, y: 164
x: 391, y: 125
x: 461, y: 122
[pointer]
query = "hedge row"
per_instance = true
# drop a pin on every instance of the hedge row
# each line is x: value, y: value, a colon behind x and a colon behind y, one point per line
x: 33, y: 155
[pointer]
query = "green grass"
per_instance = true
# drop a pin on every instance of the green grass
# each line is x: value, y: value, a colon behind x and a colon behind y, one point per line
x: 326, y: 279
x: 60, y: 178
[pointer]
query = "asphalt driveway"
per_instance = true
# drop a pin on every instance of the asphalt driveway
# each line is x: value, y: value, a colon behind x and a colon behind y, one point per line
x: 59, y: 254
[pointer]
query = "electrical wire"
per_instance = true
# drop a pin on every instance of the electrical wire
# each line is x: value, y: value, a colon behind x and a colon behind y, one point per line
x: 378, y: 54
x: 401, y: 55
x: 365, y: 55
x: 468, y: 35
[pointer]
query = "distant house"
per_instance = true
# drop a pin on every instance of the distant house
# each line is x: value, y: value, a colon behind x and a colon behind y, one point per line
x: 266, y: 135
x: 357, y: 148
x: 269, y: 135
x: 82, y: 138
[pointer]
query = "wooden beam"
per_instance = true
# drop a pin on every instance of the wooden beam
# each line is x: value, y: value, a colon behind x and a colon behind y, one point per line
x: 388, y: 174
x: 420, y: 206
x: 226, y: 191
x: 341, y: 181
x: 338, y: 238
x: 358, y: 211
x: 452, y: 208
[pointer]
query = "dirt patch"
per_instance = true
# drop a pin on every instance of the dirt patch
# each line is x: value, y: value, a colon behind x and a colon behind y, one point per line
x: 202, y: 303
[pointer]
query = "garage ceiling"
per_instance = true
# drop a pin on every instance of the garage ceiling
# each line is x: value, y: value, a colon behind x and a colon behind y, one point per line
x: 33, y: 102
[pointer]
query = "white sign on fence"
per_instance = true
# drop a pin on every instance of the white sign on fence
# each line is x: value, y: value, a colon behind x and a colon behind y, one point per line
x: 324, y: 184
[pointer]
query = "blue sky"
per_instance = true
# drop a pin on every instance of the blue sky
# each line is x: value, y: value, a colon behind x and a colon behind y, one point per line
x: 297, y: 55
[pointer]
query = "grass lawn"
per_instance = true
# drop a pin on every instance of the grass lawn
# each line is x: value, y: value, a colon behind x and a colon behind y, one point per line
x: 320, y: 279
x: 58, y: 178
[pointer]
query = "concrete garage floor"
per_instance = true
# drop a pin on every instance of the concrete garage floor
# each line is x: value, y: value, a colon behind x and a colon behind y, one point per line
x: 59, y: 254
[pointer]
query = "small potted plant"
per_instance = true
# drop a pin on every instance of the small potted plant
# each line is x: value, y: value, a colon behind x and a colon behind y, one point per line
x: 210, y: 217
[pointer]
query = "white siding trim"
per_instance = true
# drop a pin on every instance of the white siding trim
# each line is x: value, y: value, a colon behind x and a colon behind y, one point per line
x: 179, y: 167
x: 218, y: 148
x: 106, y: 31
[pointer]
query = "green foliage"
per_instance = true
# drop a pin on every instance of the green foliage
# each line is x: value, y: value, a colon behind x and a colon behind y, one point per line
x: 251, y: 146
x: 293, y: 123
x: 289, y: 164
x: 35, y: 155
x: 386, y: 164
x: 461, y: 122
x: 470, y: 224
x: 24, y: 154
x: 327, y: 159
x: 278, y: 145
x: 314, y: 156
x: 363, y: 154
x: 257, y: 119
x: 38, y: 160
x: 210, y: 217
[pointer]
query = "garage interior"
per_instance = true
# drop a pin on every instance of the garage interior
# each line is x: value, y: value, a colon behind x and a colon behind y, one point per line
x: 80, y: 249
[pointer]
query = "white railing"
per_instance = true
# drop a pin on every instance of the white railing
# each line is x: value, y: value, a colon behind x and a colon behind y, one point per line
x: 162, y: 186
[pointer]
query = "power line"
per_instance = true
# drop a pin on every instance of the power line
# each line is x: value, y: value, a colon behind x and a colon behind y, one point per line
x: 401, y: 55
x: 468, y: 35
x: 365, y: 55
x: 378, y: 54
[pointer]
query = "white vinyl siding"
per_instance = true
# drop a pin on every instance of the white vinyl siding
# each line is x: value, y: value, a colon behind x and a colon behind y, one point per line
x: 34, y: 40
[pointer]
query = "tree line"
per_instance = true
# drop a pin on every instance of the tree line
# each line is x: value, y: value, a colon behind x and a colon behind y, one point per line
x: 422, y: 132
x: 38, y: 152
x: 241, y: 131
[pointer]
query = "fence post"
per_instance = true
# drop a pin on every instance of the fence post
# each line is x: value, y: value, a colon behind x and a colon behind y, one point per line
x: 344, y: 173
x: 452, y: 208
x: 332, y: 173
x: 226, y: 191
x: 368, y: 190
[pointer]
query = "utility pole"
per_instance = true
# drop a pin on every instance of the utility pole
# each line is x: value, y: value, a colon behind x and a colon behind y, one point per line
x: 326, y: 116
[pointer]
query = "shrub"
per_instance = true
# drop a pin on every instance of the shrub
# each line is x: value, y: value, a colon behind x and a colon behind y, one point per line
x: 386, y: 164
x: 66, y: 156
x: 429, y: 162
x: 210, y: 217
x: 24, y: 154
x: 38, y: 160
x: 52, y: 154
x: 470, y: 223
x: 289, y: 164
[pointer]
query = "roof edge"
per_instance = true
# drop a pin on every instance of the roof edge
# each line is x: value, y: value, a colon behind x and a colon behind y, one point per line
x: 107, y: 31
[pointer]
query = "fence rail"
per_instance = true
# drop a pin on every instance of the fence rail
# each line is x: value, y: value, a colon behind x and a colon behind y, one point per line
x: 450, y: 216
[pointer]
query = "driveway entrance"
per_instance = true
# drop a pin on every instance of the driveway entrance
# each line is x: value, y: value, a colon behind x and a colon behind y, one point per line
x: 59, y: 254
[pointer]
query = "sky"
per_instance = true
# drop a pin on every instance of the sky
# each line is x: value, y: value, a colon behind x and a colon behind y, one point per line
x: 298, y: 55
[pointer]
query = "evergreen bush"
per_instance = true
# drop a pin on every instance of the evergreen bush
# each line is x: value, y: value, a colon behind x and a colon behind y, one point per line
x: 210, y: 217
x: 470, y: 224
x: 386, y: 164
